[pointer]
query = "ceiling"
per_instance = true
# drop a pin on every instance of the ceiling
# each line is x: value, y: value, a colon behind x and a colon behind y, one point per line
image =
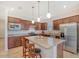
x: 23, y: 9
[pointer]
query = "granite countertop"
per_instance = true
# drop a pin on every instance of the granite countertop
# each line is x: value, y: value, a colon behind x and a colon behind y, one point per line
x: 45, y: 42
x: 26, y: 32
x: 20, y: 33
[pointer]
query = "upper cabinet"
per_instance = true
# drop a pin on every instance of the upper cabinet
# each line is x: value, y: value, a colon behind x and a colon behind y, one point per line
x: 40, y: 26
x: 56, y: 23
x: 71, y: 19
x: 25, y: 24
x: 43, y: 26
x: 37, y: 26
x: 13, y: 20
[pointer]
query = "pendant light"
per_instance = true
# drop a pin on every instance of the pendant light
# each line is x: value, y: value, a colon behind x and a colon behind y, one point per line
x: 33, y: 15
x: 38, y: 19
x: 33, y: 22
x: 48, y: 14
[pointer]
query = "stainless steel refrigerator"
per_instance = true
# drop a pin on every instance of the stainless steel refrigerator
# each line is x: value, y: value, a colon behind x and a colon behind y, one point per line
x: 71, y: 33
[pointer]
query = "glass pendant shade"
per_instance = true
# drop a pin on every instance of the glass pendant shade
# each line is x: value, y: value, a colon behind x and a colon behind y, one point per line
x: 33, y: 22
x: 33, y: 15
x: 48, y: 15
x: 38, y: 19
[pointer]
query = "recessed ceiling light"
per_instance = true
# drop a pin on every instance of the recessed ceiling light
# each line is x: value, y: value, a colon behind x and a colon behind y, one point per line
x: 19, y: 7
x: 12, y: 9
x: 65, y: 6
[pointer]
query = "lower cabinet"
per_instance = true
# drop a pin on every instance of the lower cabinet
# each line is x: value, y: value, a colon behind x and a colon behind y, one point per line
x: 60, y: 51
x: 14, y: 42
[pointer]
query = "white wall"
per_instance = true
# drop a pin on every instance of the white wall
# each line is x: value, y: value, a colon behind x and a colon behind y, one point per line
x: 2, y: 28
x: 23, y: 9
x: 2, y: 22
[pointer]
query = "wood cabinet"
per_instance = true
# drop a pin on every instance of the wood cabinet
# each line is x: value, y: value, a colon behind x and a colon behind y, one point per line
x: 56, y: 23
x: 14, y: 20
x: 11, y: 43
x: 60, y: 51
x: 14, y: 42
x: 25, y: 24
x: 43, y: 26
x: 40, y: 26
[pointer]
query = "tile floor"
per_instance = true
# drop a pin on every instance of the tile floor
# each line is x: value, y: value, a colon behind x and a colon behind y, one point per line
x: 17, y: 53
x: 70, y: 55
x: 1, y: 44
x: 12, y: 53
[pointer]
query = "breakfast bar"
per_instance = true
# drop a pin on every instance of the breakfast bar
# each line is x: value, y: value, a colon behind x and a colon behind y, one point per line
x: 48, y: 45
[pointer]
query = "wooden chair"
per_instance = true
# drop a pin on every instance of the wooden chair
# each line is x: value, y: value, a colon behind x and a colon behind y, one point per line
x: 29, y: 50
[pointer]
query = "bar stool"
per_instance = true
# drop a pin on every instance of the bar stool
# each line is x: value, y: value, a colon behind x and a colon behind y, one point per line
x: 29, y: 50
x: 25, y: 42
x: 37, y: 52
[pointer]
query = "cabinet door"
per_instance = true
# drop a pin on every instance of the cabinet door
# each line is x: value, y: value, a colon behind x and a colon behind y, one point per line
x: 56, y: 24
x: 43, y: 26
x: 18, y: 41
x: 11, y: 42
x: 38, y: 26
x: 11, y: 19
x: 60, y: 51
x: 73, y: 19
x: 14, y: 42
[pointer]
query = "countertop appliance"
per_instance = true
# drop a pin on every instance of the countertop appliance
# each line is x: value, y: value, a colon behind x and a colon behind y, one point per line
x: 71, y: 33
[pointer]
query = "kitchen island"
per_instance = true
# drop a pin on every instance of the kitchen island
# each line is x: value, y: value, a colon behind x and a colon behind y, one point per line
x: 50, y: 47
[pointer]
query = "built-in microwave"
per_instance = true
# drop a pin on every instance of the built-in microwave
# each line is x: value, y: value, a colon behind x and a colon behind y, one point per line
x: 14, y: 26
